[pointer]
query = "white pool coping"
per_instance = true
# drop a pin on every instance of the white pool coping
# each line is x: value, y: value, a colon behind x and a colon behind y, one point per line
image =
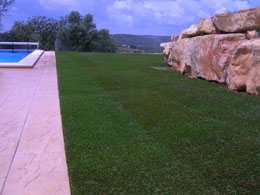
x: 27, y: 62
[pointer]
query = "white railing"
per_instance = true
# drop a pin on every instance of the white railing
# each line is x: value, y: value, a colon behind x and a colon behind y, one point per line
x: 21, y: 43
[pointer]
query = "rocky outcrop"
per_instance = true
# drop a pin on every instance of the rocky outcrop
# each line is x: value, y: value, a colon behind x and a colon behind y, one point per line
x: 241, y: 21
x: 244, y: 70
x: 174, y: 38
x: 166, y: 51
x: 252, y: 34
x: 232, y: 59
x: 190, y: 32
x: 204, y: 56
x: 204, y: 27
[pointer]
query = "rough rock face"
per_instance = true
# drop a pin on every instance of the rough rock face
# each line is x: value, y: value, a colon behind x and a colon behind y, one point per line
x: 190, y: 32
x: 166, y: 51
x: 204, y: 27
x: 244, y: 71
x: 232, y: 58
x: 241, y: 21
x: 174, y: 38
x: 252, y: 34
x: 204, y: 56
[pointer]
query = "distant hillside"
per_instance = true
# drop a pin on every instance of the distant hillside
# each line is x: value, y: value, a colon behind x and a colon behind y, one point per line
x: 142, y: 43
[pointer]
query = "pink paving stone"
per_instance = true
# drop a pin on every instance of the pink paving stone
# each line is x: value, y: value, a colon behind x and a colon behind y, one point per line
x: 42, y: 138
x: 44, y: 109
x: 32, y: 155
x: 11, y: 129
x: 39, y: 174
x: 1, y: 183
x: 7, y: 149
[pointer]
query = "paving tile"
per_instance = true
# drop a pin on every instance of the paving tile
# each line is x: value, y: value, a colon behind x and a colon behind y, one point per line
x: 8, y: 120
x: 44, y: 109
x: 12, y: 129
x: 6, y: 89
x: 7, y: 150
x: 15, y: 107
x: 2, y: 179
x: 47, y: 88
x: 12, y: 112
x: 46, y: 92
x: 30, y: 122
x: 42, y: 137
x: 41, y: 174
x: 3, y: 97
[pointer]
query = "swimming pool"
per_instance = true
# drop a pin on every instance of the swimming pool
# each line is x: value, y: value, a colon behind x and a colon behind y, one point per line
x: 19, y: 58
x: 14, y: 57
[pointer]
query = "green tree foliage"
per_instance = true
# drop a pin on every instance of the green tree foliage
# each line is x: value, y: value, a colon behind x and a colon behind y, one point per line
x: 21, y: 31
x: 80, y: 34
x: 73, y: 32
x: 104, y: 43
x: 46, y: 30
x: 38, y: 28
x: 74, y: 18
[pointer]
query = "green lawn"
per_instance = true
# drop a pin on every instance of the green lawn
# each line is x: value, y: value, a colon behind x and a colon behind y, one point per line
x: 131, y: 129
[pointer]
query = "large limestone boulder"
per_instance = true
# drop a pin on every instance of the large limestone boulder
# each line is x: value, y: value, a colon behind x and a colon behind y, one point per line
x: 190, y: 32
x: 225, y: 48
x: 177, y: 57
x: 174, y: 38
x: 166, y: 50
x: 204, y: 56
x: 204, y: 27
x: 252, y: 34
x: 244, y: 72
x: 242, y: 21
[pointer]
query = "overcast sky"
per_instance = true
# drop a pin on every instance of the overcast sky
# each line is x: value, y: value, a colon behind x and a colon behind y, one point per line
x: 151, y: 17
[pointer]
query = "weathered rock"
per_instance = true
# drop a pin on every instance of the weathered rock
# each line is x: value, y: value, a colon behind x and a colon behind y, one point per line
x: 232, y: 58
x: 203, y: 56
x: 176, y: 58
x: 206, y: 26
x: 242, y: 21
x: 252, y: 34
x: 244, y: 72
x: 190, y: 32
x: 174, y: 38
x: 166, y: 50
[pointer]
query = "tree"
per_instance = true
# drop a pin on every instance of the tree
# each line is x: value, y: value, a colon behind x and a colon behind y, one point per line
x: 4, y: 5
x: 74, y: 18
x: 80, y: 34
x: 104, y: 42
x: 46, y: 30
x: 77, y: 32
x: 21, y: 32
x: 73, y: 32
x: 38, y: 28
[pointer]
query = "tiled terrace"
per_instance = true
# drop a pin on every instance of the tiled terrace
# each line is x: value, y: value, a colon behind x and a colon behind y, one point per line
x: 32, y: 155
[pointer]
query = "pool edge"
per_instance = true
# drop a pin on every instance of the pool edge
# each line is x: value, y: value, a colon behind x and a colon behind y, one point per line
x: 27, y: 62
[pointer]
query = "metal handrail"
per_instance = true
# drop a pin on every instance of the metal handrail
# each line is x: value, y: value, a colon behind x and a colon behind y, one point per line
x: 20, y: 43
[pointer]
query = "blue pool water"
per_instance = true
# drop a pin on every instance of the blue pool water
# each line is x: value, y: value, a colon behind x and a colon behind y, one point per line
x: 9, y: 56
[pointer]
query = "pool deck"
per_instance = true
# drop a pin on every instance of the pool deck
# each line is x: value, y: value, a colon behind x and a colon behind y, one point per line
x: 32, y: 154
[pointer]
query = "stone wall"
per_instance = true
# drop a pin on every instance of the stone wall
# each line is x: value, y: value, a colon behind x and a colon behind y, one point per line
x: 224, y: 48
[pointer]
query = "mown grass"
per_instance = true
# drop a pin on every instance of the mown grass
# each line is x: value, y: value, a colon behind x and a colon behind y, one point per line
x: 131, y: 129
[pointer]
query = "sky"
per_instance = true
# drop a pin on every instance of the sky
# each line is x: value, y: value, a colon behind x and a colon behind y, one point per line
x: 141, y: 17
